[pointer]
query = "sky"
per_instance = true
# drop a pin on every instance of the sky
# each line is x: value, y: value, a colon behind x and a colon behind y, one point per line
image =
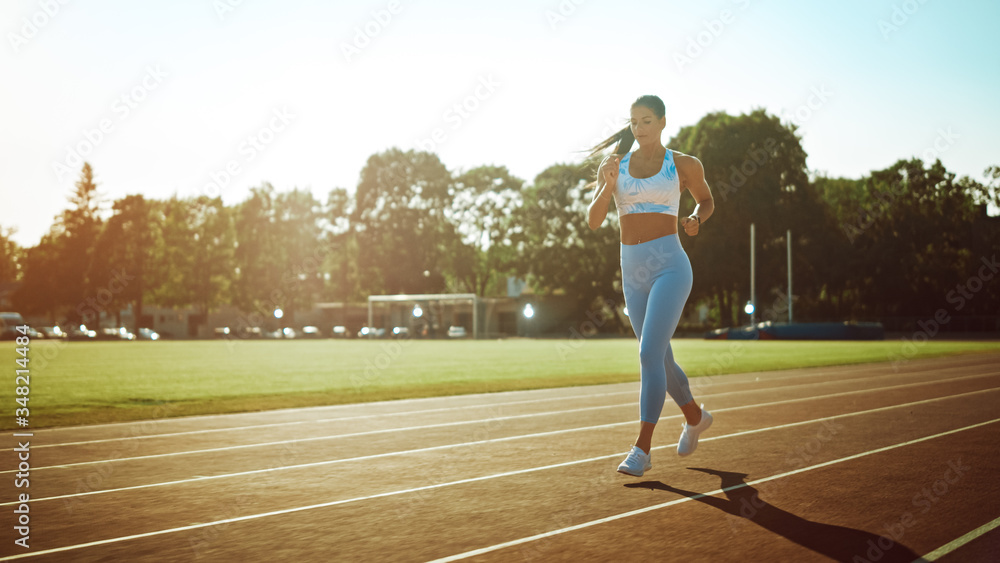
x: 214, y: 97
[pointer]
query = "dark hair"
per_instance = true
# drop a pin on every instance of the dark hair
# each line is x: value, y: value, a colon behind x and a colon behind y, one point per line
x: 624, y: 137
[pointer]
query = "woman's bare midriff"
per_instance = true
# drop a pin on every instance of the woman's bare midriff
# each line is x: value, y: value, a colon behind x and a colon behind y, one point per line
x: 642, y: 227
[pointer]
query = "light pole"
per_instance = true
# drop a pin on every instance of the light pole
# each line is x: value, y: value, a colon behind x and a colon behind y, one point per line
x: 751, y: 306
x: 789, y: 276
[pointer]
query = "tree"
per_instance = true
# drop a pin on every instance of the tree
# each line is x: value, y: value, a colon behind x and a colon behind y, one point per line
x: 481, y: 212
x: 121, y: 268
x: 40, y: 278
x: 756, y: 168
x: 76, y: 235
x: 9, y: 256
x: 915, y: 232
x: 991, y: 191
x: 195, y: 254
x: 342, y: 258
x: 557, y: 250
x: 256, y: 245
x: 399, y: 223
x: 299, y: 236
x: 279, y: 256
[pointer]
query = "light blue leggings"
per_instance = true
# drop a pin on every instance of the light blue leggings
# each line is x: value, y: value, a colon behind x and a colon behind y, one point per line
x: 656, y: 281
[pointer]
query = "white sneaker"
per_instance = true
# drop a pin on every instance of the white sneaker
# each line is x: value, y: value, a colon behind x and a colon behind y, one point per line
x: 636, y: 463
x: 689, y: 436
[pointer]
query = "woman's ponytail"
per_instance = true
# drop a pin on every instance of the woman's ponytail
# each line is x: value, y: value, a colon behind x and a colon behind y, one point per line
x: 624, y: 139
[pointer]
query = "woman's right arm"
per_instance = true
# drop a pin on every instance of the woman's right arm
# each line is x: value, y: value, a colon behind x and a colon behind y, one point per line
x: 607, y: 179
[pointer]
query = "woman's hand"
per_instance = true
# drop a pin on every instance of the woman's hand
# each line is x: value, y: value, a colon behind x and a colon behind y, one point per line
x: 609, y: 170
x: 690, y: 225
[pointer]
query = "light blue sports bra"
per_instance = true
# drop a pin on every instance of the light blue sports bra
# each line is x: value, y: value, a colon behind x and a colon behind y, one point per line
x: 660, y: 193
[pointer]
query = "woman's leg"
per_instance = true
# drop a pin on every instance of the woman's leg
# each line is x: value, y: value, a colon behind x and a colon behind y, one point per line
x: 667, y: 295
x: 680, y: 390
x: 654, y: 311
x: 636, y: 283
x: 666, y: 300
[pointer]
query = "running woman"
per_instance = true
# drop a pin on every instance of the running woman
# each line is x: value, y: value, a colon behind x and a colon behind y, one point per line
x: 656, y: 273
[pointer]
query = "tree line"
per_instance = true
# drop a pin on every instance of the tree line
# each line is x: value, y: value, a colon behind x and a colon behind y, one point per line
x: 908, y: 240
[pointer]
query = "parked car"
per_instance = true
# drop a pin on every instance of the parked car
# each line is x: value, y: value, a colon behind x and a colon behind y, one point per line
x: 8, y: 325
x: 147, y: 334
x: 221, y: 332
x: 400, y: 332
x: 81, y: 332
x: 109, y: 333
x: 51, y: 332
x: 310, y: 332
x: 371, y: 332
x: 456, y: 332
x: 289, y: 332
x: 250, y: 332
x: 340, y: 332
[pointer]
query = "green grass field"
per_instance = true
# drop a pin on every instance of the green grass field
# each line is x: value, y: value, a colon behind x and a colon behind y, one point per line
x: 92, y: 382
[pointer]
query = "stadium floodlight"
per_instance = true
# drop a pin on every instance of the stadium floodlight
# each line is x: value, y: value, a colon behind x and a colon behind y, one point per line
x: 417, y: 311
x: 278, y: 313
x: 529, y: 311
x: 749, y: 308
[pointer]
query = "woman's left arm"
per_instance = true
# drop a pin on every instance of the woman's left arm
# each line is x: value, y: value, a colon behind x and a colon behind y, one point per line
x: 691, y: 174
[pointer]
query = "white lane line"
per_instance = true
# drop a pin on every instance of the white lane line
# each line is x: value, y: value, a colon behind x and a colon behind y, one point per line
x: 390, y: 414
x: 696, y: 382
x: 336, y: 436
x: 322, y: 420
x: 957, y: 543
x: 505, y: 544
x: 686, y: 499
x: 479, y: 421
x: 505, y: 474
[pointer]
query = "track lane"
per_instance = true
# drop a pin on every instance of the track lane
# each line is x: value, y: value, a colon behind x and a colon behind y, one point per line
x: 430, y: 462
x: 294, y: 457
x: 238, y: 422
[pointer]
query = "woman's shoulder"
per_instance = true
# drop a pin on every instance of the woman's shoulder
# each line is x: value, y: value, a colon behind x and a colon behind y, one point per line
x: 686, y: 161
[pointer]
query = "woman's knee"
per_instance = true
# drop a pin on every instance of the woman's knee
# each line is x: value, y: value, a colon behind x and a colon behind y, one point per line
x: 651, y: 354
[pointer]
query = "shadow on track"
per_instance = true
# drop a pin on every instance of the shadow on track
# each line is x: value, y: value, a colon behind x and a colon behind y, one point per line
x: 837, y: 542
